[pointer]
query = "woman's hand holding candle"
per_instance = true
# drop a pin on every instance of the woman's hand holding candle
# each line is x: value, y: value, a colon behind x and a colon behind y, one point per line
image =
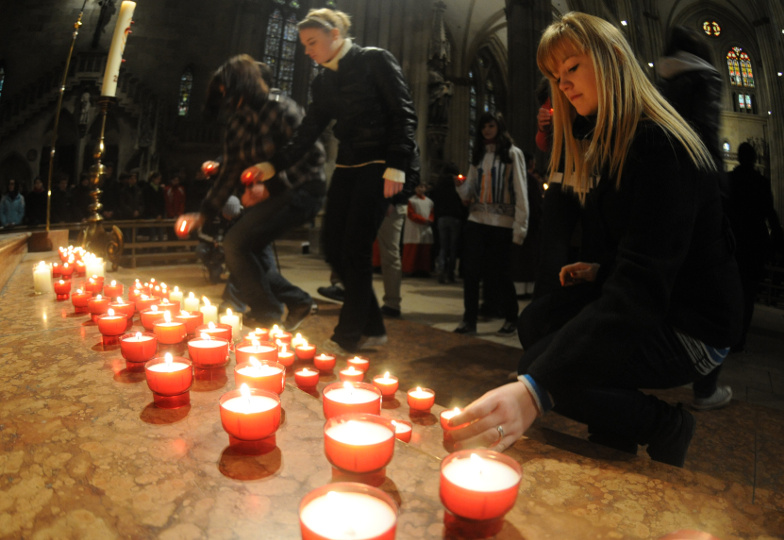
x: 510, y: 407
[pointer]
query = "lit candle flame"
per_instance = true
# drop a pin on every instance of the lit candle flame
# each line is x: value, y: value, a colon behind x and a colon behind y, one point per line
x: 191, y: 295
x: 114, y: 283
x: 476, y: 461
x: 177, y: 289
x: 97, y: 296
x: 167, y: 316
x: 255, y: 343
x: 253, y: 362
x: 386, y: 375
x: 138, y: 336
x: 110, y: 312
x: 206, y: 301
x: 154, y: 308
x: 119, y: 300
x: 228, y: 312
x: 184, y: 225
x: 185, y: 314
x: 168, y: 358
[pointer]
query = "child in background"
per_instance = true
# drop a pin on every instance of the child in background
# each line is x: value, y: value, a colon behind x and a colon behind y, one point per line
x: 417, y: 234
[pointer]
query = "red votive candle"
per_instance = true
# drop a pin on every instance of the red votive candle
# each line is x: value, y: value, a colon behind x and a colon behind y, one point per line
x: 359, y: 362
x: 276, y: 334
x: 446, y: 415
x: 150, y: 316
x: 97, y: 306
x: 67, y: 270
x: 305, y: 352
x: 250, y: 414
x: 215, y: 330
x: 137, y: 348
x: 347, y: 510
x: 169, y: 332
x: 259, y: 334
x: 170, y: 380
x: 79, y: 300
x: 306, y: 377
x: 351, y: 374
x: 80, y: 269
x: 113, y: 289
x: 266, y: 375
x: 359, y: 443
x: 94, y: 285
x: 387, y: 385
x: 479, y: 484
x: 191, y: 320
x: 403, y: 430
x: 145, y: 303
x: 324, y: 362
x: 421, y: 399
x: 123, y: 308
x: 57, y: 271
x: 207, y: 352
x: 285, y: 356
x: 168, y: 305
x: 112, y: 324
x: 134, y: 294
x: 351, y: 397
x: 62, y: 289
x: 260, y: 350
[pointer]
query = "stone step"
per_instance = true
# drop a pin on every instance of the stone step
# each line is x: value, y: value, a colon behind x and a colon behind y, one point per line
x: 13, y: 247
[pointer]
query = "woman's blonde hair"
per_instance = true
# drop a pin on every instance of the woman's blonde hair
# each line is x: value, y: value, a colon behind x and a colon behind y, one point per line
x: 625, y: 97
x: 326, y: 19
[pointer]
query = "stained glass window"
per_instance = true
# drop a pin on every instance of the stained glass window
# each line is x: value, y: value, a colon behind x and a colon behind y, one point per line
x: 734, y: 68
x: 280, y: 49
x: 712, y: 28
x: 739, y: 66
x: 186, y: 88
x: 745, y: 69
x: 741, y: 102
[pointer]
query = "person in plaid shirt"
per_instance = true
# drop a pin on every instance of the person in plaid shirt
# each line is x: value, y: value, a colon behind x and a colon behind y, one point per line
x: 257, y: 124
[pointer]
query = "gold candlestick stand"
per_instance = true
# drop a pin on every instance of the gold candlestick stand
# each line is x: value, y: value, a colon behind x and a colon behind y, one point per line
x: 94, y: 237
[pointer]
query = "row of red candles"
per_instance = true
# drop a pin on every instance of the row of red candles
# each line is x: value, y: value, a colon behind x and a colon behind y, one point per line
x: 260, y: 376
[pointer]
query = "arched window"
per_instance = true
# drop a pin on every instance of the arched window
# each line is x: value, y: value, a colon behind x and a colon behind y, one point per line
x: 712, y: 28
x: 739, y: 66
x: 186, y: 89
x: 281, y: 46
x: 486, y: 90
x: 745, y: 70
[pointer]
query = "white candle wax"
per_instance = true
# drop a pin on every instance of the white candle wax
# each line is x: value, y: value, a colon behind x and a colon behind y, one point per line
x: 210, y: 313
x: 250, y: 404
x: 262, y: 370
x: 420, y: 394
x: 400, y: 427
x: 168, y: 367
x: 191, y: 304
x: 176, y: 296
x: 95, y: 266
x: 479, y: 474
x: 348, y: 516
x: 352, y: 395
x: 360, y: 432
x: 42, y: 278
x: 114, y: 60
x: 234, y: 320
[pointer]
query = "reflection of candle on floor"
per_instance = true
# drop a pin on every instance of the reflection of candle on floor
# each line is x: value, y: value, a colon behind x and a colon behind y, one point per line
x: 479, y: 484
x: 347, y: 510
x: 421, y: 399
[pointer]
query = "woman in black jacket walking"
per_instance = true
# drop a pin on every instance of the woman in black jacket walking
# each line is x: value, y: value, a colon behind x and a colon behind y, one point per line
x: 363, y: 90
x: 665, y: 290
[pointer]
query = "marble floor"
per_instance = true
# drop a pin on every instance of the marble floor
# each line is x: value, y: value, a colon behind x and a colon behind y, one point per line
x: 732, y: 484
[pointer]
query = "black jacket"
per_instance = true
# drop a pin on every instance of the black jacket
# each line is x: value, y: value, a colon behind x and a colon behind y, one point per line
x: 666, y: 254
x: 370, y: 102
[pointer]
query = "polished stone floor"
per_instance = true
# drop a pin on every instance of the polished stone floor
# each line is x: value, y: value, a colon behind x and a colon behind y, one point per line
x: 88, y: 462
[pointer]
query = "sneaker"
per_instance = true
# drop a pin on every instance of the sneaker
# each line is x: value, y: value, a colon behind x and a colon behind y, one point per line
x: 298, y: 313
x: 465, y: 328
x: 720, y: 398
x: 333, y: 292
x: 390, y: 312
x: 371, y: 342
x: 508, y: 329
x: 334, y: 347
x: 672, y: 448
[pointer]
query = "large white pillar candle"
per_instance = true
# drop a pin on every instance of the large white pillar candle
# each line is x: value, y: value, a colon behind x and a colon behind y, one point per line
x: 113, y: 62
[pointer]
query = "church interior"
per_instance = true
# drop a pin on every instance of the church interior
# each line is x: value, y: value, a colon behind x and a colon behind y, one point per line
x: 86, y: 453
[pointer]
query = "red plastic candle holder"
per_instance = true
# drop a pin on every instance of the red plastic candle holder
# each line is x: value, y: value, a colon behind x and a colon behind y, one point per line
x: 284, y: 337
x: 169, y: 332
x: 170, y: 382
x: 144, y: 303
x: 387, y: 385
x: 306, y: 378
x: 98, y: 305
x: 305, y: 352
x: 286, y: 355
x: 62, y: 289
x: 350, y: 397
x: 167, y: 305
x: 260, y: 350
x: 351, y: 374
x: 359, y: 443
x: 403, y: 430
x: 259, y: 334
x: 124, y: 308
x: 191, y: 320
x: 79, y: 300
x: 359, y: 362
x: 94, y: 285
x: 150, y: 316
x: 250, y: 415
x: 216, y: 330
x: 137, y: 348
x: 421, y: 400
x: 266, y: 375
x: 67, y: 270
x: 208, y: 353
x: 346, y: 510
x: 324, y: 362
x: 479, y: 485
x: 113, y: 289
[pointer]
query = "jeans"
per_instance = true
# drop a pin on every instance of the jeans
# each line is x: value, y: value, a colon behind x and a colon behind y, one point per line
x: 355, y: 210
x: 608, y: 400
x: 389, y: 250
x: 486, y: 255
x: 255, y: 279
x: 449, y: 238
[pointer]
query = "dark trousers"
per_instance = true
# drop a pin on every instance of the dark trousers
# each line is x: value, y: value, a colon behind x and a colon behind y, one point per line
x: 487, y: 255
x: 609, y: 401
x: 449, y: 238
x: 355, y: 210
x: 255, y: 279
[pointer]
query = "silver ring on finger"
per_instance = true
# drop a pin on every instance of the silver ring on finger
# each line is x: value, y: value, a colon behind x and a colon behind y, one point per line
x: 501, y: 433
